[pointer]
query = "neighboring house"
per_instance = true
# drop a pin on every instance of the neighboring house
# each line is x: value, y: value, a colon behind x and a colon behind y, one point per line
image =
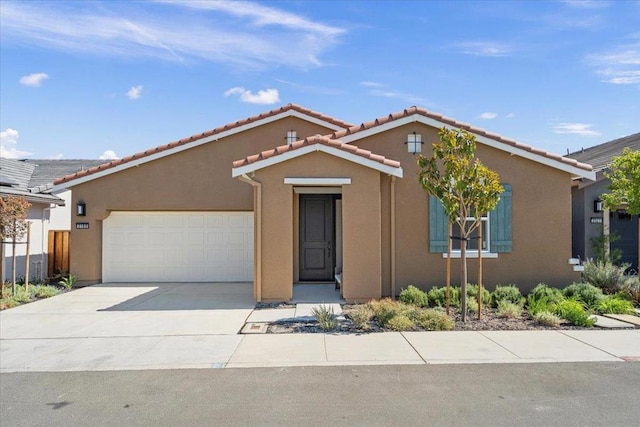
x: 49, y: 215
x: 225, y: 205
x: 589, y: 217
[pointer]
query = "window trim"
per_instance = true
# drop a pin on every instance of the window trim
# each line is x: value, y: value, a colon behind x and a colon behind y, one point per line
x: 473, y: 253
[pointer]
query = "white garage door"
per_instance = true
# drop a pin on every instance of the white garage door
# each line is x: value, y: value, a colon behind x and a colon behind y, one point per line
x: 177, y: 247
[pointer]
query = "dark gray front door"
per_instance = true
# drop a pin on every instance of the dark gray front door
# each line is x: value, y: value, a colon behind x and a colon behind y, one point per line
x: 625, y: 226
x: 316, y: 237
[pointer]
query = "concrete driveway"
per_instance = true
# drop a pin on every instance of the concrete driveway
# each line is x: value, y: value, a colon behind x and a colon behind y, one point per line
x: 126, y: 326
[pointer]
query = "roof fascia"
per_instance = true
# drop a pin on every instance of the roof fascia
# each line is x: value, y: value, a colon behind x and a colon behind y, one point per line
x: 574, y: 171
x: 261, y: 164
x: 196, y: 143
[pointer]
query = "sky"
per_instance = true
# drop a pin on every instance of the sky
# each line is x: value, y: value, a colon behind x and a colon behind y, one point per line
x: 106, y: 79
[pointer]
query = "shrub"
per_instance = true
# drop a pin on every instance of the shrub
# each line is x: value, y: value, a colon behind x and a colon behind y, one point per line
x: 535, y: 306
x: 605, y: 275
x: 400, y: 322
x: 613, y: 305
x: 361, y: 315
x: 414, y: 296
x: 547, y: 318
x: 325, y: 317
x: 632, y: 288
x: 553, y: 295
x: 438, y: 296
x: 7, y: 302
x: 386, y: 309
x: 509, y: 310
x: 584, y: 292
x: 573, y: 311
x: 507, y: 293
x: 44, y: 291
x: 472, y: 305
x: 433, y: 320
x: 21, y: 296
x: 472, y: 293
x: 68, y: 282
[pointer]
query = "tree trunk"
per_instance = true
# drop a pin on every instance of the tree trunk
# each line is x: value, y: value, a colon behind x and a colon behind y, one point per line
x: 463, y: 287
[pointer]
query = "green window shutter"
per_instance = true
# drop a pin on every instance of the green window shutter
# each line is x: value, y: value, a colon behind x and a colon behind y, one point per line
x: 437, y: 226
x: 500, y: 219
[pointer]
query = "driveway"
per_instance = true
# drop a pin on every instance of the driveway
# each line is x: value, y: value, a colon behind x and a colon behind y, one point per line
x: 126, y: 326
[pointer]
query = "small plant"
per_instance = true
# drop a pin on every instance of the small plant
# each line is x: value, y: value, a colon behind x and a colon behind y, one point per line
x: 553, y: 295
x: 632, y: 288
x: 547, y: 318
x: 472, y: 293
x: 361, y: 315
x: 605, y: 275
x: 21, y: 296
x: 613, y: 305
x: 386, y: 309
x: 414, y: 296
x: 400, y: 322
x: 573, y: 311
x: 535, y: 306
x: 438, y: 296
x: 509, y: 310
x: 507, y: 293
x: 8, y: 302
x: 68, y: 282
x: 44, y: 291
x: 433, y: 320
x: 472, y: 305
x: 584, y: 292
x: 325, y: 317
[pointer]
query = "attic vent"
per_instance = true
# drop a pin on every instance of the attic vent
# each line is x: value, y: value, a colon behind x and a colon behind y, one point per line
x: 292, y: 137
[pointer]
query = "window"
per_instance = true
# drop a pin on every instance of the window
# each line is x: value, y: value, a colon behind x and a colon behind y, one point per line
x: 472, y: 243
x: 291, y: 137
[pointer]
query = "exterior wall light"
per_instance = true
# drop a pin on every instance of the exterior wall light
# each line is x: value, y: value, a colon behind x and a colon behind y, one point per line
x: 414, y: 143
x: 291, y: 137
x: 597, y: 205
x: 81, y: 209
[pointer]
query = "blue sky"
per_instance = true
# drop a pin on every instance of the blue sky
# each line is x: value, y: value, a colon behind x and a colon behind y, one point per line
x: 90, y: 79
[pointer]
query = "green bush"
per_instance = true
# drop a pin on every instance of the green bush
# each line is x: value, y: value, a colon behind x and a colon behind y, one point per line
x: 472, y: 305
x: 613, y: 305
x: 68, y: 282
x: 414, y: 296
x: 21, y: 296
x: 472, y: 293
x: 361, y: 315
x: 632, y: 288
x: 547, y: 318
x: 325, y: 317
x: 552, y: 295
x: 535, y: 306
x: 386, y: 309
x: 438, y: 296
x: 433, y: 320
x: 507, y: 293
x: 605, y: 275
x: 509, y: 310
x: 400, y: 322
x: 7, y: 302
x: 574, y: 311
x: 44, y: 291
x: 584, y: 292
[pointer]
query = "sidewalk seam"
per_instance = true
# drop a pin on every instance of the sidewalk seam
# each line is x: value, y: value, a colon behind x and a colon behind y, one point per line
x: 414, y: 349
x: 242, y: 337
x: 500, y: 345
x: 591, y: 345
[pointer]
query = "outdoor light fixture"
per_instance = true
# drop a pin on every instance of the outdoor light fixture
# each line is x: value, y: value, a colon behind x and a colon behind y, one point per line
x: 81, y: 209
x: 597, y: 205
x: 414, y: 143
x: 292, y: 137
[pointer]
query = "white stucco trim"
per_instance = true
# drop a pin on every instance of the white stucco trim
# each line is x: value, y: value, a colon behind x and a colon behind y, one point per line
x: 472, y: 254
x: 418, y: 118
x: 317, y: 181
x: 261, y: 164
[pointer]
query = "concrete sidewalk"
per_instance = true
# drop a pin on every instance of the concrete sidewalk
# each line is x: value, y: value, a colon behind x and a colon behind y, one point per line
x: 387, y: 348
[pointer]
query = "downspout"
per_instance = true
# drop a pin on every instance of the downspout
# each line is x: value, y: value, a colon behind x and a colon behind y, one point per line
x: 257, y: 194
x: 393, y: 237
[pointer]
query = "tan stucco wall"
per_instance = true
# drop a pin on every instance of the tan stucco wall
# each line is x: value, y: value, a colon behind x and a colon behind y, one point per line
x: 198, y: 179
x: 541, y: 220
x: 360, y: 218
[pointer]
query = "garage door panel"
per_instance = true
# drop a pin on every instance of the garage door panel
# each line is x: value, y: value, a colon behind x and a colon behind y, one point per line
x: 178, y: 246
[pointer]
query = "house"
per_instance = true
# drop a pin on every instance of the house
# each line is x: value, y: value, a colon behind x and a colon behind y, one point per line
x: 589, y: 216
x: 49, y: 214
x: 292, y: 195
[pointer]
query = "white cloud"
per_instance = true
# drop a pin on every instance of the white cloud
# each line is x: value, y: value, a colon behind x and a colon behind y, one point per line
x: 267, y: 96
x: 489, y: 49
x: 8, y: 140
x: 109, y: 155
x: 488, y: 116
x: 371, y: 84
x: 56, y: 156
x: 587, y: 4
x: 135, y: 92
x: 33, y: 79
x: 621, y: 65
x: 581, y: 129
x: 510, y: 115
x: 379, y: 89
x: 238, y: 34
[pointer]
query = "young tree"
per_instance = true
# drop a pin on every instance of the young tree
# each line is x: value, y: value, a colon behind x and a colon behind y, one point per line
x: 13, y: 226
x: 625, y: 182
x: 466, y: 188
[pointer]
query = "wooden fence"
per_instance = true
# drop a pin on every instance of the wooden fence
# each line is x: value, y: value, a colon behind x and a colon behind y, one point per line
x: 58, y: 260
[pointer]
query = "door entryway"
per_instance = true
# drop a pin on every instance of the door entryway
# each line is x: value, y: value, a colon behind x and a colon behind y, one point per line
x: 317, y: 237
x: 625, y: 227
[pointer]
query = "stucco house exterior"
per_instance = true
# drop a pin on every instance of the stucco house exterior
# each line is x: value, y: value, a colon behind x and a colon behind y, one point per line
x: 590, y: 219
x: 292, y: 195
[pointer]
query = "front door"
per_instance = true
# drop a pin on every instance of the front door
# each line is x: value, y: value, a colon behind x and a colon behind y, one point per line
x: 625, y: 227
x: 316, y: 237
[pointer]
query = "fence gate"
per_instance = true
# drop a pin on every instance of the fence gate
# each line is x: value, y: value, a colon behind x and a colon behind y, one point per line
x: 58, y: 259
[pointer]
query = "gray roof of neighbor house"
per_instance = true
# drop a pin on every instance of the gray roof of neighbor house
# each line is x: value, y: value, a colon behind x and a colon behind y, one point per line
x: 600, y: 156
x: 47, y: 170
x: 14, y: 181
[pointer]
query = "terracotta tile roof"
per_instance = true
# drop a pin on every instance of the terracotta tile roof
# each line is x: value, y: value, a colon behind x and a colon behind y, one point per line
x: 188, y: 140
x: 317, y: 139
x: 452, y: 122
